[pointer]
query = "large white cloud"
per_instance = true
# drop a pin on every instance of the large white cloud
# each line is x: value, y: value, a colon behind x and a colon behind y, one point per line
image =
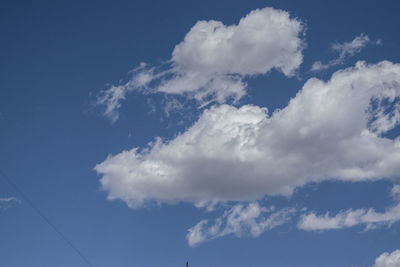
x: 388, y: 259
x: 330, y: 130
x: 211, y: 61
x: 240, y: 220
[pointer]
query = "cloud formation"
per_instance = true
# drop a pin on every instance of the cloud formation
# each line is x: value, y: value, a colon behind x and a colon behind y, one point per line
x: 213, y: 59
x: 330, y: 130
x: 388, y: 259
x: 395, y: 193
x: 344, y: 50
x: 8, y: 199
x: 240, y: 220
x: 7, y: 202
x: 349, y: 218
x: 368, y: 217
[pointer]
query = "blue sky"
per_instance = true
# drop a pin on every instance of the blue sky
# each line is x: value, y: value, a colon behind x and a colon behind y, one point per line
x: 202, y: 92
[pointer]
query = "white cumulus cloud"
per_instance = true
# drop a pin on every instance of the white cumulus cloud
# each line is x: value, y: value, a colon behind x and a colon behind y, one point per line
x: 240, y: 220
x: 388, y: 259
x: 212, y: 60
x: 327, y: 131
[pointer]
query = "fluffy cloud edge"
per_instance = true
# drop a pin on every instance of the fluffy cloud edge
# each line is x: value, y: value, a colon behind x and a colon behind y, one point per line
x: 387, y: 259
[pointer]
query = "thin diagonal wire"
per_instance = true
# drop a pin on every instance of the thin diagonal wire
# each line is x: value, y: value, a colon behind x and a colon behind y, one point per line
x: 41, y: 214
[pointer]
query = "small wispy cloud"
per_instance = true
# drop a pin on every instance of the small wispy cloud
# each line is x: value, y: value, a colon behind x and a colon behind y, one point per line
x: 345, y: 50
x: 240, y: 220
x: 349, y: 218
x: 7, y: 202
x: 8, y: 199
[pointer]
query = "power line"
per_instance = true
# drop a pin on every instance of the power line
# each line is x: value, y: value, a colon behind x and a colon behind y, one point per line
x: 41, y: 214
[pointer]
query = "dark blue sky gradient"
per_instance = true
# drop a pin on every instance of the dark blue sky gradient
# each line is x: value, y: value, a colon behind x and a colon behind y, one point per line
x: 55, y: 56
